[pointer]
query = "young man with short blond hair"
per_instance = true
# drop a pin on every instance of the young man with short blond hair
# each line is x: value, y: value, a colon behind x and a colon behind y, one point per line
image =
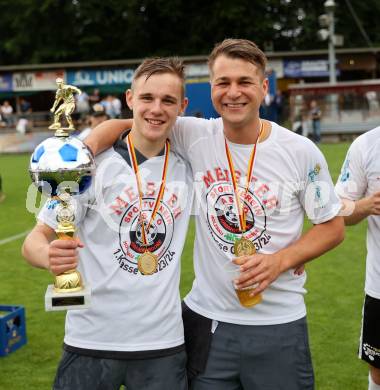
x: 132, y: 227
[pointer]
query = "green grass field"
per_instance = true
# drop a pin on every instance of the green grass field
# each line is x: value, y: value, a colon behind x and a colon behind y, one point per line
x: 335, y: 293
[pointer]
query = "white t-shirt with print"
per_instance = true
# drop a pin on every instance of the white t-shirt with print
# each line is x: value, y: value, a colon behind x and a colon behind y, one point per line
x: 129, y: 311
x: 360, y: 177
x: 290, y: 177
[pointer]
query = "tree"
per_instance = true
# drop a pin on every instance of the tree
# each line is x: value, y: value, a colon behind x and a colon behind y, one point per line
x: 87, y: 30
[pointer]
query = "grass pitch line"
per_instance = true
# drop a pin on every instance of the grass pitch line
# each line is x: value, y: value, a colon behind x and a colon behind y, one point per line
x: 14, y: 238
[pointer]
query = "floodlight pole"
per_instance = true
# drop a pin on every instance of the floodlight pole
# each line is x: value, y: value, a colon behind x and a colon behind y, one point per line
x: 330, y: 6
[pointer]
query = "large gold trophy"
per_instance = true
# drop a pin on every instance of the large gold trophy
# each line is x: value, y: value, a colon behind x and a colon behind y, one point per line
x: 60, y: 167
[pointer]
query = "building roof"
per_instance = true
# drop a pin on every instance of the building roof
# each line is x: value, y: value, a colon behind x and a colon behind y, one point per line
x: 186, y: 59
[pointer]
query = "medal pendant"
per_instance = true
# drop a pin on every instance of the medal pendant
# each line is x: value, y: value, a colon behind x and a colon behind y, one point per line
x: 147, y: 263
x: 244, y: 247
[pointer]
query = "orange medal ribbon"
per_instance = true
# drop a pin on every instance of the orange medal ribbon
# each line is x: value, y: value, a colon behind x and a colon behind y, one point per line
x: 251, y: 162
x: 132, y: 155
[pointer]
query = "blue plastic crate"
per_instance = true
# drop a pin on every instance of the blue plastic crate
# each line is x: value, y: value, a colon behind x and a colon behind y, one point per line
x: 12, y: 329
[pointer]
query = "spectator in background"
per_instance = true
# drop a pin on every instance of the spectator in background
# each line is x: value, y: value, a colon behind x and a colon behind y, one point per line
x: 305, y: 121
x: 264, y: 108
x: 315, y: 116
x: 22, y: 125
x: 82, y: 104
x: 2, y: 123
x: 108, y: 106
x: 297, y: 125
x: 279, y: 106
x: 97, y: 116
x: 272, y: 109
x: 25, y: 106
x: 24, y: 121
x: 7, y: 113
x: 116, y: 107
x: 2, y: 195
x: 373, y: 103
x: 94, y: 97
x: 271, y: 106
x: 105, y: 102
x: 301, y: 122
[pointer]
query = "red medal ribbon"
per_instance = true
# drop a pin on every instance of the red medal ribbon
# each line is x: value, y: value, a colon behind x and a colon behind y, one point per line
x: 135, y: 166
x: 251, y: 162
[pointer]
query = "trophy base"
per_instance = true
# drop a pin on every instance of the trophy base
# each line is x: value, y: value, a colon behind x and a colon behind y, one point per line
x: 77, y: 300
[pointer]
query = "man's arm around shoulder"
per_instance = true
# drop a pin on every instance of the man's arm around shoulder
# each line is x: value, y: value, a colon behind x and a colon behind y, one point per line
x: 106, y: 133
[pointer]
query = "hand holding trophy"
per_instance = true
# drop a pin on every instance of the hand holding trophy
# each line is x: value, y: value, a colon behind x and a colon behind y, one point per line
x: 60, y: 167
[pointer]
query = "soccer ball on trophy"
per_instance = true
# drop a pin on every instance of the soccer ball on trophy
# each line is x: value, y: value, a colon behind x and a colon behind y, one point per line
x: 59, y: 162
x: 60, y: 167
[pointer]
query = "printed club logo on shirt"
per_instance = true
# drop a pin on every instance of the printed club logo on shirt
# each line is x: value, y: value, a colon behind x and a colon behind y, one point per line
x: 223, y: 220
x: 159, y: 235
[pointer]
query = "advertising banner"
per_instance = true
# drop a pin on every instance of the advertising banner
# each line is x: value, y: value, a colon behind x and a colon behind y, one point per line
x: 306, y: 68
x: 36, y: 81
x: 100, y: 77
x: 5, y: 82
x: 46, y: 81
x: 295, y: 68
x: 196, y: 70
x: 276, y: 66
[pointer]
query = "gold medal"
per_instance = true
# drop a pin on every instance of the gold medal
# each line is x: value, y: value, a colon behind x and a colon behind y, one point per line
x: 147, y: 263
x: 244, y: 247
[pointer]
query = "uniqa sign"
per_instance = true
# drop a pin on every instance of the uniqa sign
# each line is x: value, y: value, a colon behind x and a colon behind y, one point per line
x: 100, y: 77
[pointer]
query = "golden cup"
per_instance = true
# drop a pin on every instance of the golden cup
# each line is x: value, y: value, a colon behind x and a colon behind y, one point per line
x: 61, y: 167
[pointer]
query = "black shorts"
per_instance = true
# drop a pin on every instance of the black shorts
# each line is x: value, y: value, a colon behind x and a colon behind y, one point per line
x: 369, y: 347
x: 80, y: 372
